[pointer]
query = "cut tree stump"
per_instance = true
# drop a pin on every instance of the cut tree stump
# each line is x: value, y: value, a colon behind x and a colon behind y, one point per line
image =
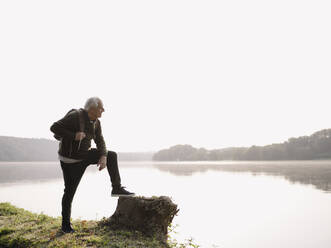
x: 150, y: 215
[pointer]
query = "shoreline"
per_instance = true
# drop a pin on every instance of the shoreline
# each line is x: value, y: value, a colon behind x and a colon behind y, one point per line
x: 22, y: 228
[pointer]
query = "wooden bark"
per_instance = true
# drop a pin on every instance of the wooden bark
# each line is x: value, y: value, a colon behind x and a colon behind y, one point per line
x: 151, y: 216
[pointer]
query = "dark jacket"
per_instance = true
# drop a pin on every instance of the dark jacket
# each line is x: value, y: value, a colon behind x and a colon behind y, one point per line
x: 68, y: 126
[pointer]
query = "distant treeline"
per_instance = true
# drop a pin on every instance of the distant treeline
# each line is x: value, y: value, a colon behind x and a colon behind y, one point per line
x: 27, y: 149
x: 315, y: 146
x: 32, y: 149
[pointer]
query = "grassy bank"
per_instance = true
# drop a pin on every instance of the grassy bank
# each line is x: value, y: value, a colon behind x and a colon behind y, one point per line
x: 21, y: 228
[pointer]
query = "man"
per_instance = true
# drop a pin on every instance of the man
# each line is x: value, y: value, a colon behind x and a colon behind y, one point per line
x: 75, y: 154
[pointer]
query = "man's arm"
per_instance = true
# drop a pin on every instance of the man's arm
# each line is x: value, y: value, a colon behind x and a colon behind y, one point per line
x: 64, y: 126
x: 99, y: 140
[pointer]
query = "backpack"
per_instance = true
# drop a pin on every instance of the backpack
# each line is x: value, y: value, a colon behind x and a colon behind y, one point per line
x: 81, y: 122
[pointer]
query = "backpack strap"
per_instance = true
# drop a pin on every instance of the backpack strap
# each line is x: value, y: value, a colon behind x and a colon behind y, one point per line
x: 81, y: 120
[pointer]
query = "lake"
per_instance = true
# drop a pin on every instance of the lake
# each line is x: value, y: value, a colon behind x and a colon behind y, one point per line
x: 223, y: 204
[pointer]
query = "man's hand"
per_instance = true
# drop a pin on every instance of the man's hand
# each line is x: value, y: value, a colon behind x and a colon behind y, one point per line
x: 102, y: 162
x: 80, y: 135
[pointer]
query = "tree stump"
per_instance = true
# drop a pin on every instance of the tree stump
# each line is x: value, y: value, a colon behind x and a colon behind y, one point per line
x: 151, y: 215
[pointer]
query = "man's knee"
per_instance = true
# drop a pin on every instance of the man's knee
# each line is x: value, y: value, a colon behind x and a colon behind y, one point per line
x: 112, y: 155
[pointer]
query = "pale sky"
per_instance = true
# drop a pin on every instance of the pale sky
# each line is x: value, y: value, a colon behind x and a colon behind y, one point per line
x: 211, y: 74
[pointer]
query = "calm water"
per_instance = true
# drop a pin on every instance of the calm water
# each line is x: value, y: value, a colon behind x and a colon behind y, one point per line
x: 222, y: 204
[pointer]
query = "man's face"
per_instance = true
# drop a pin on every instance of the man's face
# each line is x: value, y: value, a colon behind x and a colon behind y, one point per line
x: 96, y: 112
x: 99, y: 110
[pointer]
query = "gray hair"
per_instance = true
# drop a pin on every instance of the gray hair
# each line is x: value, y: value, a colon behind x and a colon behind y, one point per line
x: 92, y: 102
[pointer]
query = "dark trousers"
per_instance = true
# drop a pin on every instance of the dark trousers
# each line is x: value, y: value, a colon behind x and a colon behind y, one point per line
x: 73, y: 172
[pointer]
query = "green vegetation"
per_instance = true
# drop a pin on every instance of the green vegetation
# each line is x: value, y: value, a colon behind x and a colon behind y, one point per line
x: 20, y: 228
x: 316, y: 146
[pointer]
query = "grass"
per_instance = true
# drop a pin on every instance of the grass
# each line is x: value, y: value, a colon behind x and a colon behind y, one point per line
x: 20, y: 228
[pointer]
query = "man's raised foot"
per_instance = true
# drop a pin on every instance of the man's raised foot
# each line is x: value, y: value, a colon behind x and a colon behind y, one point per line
x: 120, y: 191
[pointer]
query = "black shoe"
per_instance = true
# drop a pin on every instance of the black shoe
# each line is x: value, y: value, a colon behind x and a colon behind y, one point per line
x: 120, y: 191
x: 67, y: 228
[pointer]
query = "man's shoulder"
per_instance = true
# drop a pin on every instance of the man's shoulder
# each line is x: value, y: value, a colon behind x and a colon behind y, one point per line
x: 72, y: 117
x: 72, y: 112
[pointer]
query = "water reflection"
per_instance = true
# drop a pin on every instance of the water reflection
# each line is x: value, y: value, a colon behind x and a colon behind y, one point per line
x: 316, y: 173
x: 29, y: 171
x: 44, y: 171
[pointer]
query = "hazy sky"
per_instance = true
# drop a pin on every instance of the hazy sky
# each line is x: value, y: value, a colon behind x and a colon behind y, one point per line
x: 211, y: 74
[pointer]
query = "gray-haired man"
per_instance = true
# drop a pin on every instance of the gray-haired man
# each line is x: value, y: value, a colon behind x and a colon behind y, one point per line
x: 75, y: 153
